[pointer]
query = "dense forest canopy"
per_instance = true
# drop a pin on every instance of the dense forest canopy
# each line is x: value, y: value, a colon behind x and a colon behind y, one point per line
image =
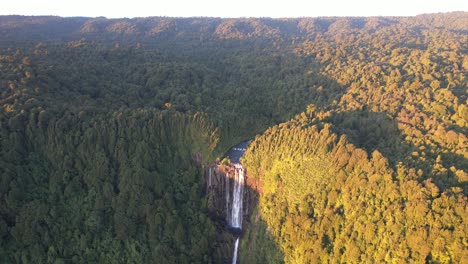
x: 361, y: 146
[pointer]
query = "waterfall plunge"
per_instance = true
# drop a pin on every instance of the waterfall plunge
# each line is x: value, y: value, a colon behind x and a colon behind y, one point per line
x: 234, y: 258
x: 234, y: 206
x: 234, y: 216
x: 237, y: 197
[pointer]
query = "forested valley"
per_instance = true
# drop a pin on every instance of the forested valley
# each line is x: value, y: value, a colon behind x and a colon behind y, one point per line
x: 359, y: 131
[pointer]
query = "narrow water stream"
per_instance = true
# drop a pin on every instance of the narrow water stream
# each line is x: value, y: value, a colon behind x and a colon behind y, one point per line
x: 237, y: 197
x: 234, y: 207
x: 234, y: 256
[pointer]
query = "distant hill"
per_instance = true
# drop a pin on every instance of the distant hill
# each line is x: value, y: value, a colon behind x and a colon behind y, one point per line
x: 47, y: 28
x: 358, y: 131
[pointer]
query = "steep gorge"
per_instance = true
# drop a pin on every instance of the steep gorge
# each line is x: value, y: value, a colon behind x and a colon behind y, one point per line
x: 104, y: 152
x: 230, y: 198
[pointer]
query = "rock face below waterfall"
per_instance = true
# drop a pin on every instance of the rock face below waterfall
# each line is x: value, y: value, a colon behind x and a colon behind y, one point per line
x: 220, y: 184
x: 231, y: 195
x: 218, y: 179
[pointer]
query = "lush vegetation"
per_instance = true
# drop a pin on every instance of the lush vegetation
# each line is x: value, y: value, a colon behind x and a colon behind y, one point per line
x: 105, y: 125
x: 117, y: 187
x: 381, y: 175
x: 325, y: 200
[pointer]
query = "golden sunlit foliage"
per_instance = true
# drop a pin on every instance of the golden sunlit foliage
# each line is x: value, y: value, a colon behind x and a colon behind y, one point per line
x: 325, y: 200
x: 102, y: 140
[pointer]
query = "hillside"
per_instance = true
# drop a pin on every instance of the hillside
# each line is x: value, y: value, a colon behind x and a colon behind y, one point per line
x: 326, y: 200
x: 360, y: 129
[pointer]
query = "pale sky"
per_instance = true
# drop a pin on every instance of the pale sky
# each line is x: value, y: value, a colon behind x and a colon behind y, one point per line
x: 232, y: 8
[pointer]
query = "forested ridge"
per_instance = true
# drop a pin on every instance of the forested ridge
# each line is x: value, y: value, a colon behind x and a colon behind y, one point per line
x: 325, y: 200
x: 361, y: 148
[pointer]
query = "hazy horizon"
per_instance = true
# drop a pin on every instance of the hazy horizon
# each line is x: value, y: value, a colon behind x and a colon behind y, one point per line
x: 225, y: 9
x: 331, y: 16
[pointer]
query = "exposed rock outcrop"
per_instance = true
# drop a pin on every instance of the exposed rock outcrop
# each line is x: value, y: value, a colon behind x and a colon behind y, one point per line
x: 219, y: 183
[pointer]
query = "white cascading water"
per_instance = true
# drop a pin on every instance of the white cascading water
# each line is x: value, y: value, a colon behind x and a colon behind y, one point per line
x: 237, y: 197
x: 234, y: 257
x: 235, y: 217
x: 234, y: 207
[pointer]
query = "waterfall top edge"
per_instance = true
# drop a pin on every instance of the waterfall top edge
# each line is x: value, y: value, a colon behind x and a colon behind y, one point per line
x: 236, y: 152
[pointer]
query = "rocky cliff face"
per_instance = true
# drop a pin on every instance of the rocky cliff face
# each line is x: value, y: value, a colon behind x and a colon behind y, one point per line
x: 219, y: 180
x: 219, y: 183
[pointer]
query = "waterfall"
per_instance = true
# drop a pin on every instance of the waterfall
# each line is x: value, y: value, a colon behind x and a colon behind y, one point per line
x: 234, y: 258
x: 234, y: 206
x: 235, y: 217
x: 237, y: 197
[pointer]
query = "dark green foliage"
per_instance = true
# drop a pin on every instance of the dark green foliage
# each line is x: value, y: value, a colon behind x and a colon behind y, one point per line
x: 258, y: 245
x: 118, y: 187
x: 102, y: 142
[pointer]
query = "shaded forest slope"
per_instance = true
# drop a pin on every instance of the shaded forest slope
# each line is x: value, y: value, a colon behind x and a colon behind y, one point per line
x: 106, y: 123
